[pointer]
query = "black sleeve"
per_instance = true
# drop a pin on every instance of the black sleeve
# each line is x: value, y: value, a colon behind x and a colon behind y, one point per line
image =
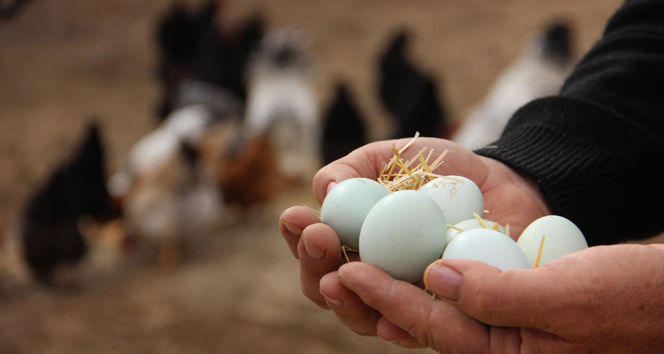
x: 597, y: 149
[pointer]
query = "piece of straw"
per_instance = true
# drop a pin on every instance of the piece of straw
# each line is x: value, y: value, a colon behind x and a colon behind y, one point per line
x: 399, y: 174
x: 539, y: 253
x: 456, y: 228
x: 484, y: 225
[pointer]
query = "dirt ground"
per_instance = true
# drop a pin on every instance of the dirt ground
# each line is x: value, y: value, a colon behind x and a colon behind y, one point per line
x: 65, y: 61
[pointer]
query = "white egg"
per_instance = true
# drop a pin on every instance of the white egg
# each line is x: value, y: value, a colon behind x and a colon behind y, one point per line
x: 458, y: 198
x: 469, y: 225
x: 346, y: 206
x: 488, y: 246
x: 402, y: 234
x: 562, y: 238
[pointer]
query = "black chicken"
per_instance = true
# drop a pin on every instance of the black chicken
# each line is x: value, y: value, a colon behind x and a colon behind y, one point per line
x: 9, y: 8
x: 221, y: 59
x: 179, y: 36
x: 557, y: 43
x: 344, y: 129
x: 410, y: 95
x: 199, y: 62
x: 50, y: 232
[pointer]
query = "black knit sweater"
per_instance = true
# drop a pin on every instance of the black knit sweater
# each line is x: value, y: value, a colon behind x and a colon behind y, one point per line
x: 597, y: 149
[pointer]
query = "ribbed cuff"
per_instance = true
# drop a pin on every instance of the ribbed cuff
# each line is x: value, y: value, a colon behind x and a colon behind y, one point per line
x: 584, y: 172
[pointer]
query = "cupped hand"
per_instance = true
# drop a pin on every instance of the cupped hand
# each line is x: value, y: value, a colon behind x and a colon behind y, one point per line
x: 509, y: 197
x: 600, y: 300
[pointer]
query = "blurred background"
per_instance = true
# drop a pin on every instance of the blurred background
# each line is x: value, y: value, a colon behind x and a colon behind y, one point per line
x: 148, y: 147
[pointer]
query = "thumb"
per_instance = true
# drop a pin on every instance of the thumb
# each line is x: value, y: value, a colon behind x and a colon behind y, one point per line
x: 513, y: 298
x: 569, y: 295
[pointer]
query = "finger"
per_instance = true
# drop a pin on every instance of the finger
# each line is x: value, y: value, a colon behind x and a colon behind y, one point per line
x: 319, y: 253
x: 291, y: 223
x: 348, y: 307
x: 432, y: 322
x: 363, y: 162
x: 396, y: 335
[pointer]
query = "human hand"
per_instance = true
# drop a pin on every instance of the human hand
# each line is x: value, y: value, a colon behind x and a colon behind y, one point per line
x: 600, y: 300
x: 509, y: 197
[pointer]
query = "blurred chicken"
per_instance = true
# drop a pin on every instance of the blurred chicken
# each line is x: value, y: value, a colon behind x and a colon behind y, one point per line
x: 540, y: 71
x: 222, y: 58
x: 408, y: 94
x: 178, y: 38
x: 176, y: 201
x: 344, y: 129
x: 201, y: 64
x: 74, y: 193
x: 184, y: 126
x: 10, y: 8
x: 167, y: 193
x: 168, y: 187
x: 282, y: 102
x: 245, y: 169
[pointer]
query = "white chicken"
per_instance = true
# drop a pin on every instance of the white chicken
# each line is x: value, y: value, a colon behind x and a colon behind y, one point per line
x: 540, y: 71
x: 282, y: 103
x: 166, y: 193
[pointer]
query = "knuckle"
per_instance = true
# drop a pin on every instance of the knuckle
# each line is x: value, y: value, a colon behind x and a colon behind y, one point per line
x: 361, y: 324
x: 358, y: 317
x: 483, y: 303
x: 426, y: 331
x: 383, y: 296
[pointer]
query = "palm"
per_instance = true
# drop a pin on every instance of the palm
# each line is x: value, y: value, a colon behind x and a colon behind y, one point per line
x: 511, y: 199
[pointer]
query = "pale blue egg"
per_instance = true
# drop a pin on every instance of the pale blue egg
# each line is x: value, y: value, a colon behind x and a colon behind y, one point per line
x: 346, y: 206
x: 488, y: 246
x: 402, y: 234
x: 562, y: 238
x: 458, y: 197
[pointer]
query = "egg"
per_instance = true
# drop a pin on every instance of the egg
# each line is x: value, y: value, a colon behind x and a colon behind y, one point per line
x: 469, y: 225
x: 458, y: 197
x: 402, y: 234
x: 562, y: 238
x: 346, y: 206
x: 488, y: 246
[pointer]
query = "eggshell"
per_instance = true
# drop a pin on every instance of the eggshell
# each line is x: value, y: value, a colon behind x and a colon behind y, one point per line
x: 457, y: 199
x: 488, y: 246
x: 402, y: 234
x: 562, y: 238
x: 346, y: 206
x: 469, y: 225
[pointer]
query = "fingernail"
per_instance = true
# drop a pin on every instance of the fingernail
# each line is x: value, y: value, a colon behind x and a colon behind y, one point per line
x: 296, y: 231
x: 444, y: 282
x: 313, y: 251
x: 330, y: 186
x: 334, y: 302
